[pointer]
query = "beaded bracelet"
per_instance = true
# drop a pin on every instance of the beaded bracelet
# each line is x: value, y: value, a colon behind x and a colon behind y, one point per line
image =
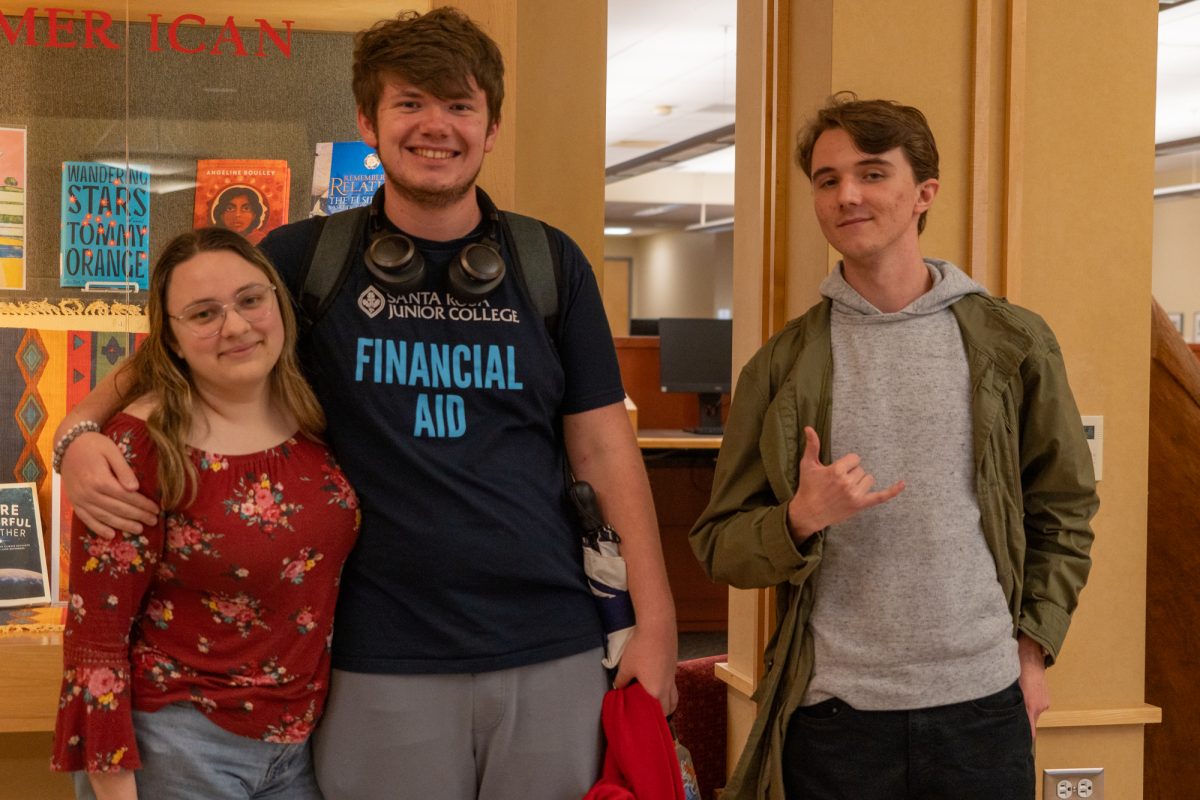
x: 73, y: 433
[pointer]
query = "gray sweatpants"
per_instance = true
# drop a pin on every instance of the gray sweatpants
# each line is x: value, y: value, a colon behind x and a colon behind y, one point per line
x: 528, y: 733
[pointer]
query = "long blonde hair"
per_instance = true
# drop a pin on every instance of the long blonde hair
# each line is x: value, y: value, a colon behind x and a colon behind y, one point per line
x: 156, y: 370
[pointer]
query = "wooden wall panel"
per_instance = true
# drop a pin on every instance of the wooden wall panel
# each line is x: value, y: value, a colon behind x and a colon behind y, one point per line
x: 1173, y: 558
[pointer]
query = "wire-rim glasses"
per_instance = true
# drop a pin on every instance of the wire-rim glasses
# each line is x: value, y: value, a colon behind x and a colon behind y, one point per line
x: 205, y: 319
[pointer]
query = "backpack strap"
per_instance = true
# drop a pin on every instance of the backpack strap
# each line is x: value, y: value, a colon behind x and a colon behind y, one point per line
x: 538, y: 265
x: 331, y: 254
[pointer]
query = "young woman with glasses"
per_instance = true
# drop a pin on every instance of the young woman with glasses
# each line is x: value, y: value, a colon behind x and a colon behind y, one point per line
x: 196, y: 658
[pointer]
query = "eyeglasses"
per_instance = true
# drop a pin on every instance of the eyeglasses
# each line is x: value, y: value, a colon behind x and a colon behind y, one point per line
x: 205, y: 319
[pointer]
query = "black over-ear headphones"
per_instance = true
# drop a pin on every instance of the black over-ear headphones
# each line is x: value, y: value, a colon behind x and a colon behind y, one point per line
x: 396, y: 263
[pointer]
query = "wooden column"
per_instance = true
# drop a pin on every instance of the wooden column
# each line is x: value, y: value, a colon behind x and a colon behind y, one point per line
x: 549, y: 158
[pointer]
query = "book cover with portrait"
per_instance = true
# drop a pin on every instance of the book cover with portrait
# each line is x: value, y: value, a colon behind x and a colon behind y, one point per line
x: 23, y: 576
x: 249, y: 196
x: 345, y: 175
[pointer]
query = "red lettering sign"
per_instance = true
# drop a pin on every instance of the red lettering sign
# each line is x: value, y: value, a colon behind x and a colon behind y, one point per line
x: 61, y: 33
x: 173, y: 33
x: 91, y: 32
x: 55, y: 27
x: 26, y: 21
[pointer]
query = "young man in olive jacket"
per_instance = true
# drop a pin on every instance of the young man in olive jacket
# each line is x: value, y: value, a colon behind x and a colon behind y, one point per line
x: 906, y: 465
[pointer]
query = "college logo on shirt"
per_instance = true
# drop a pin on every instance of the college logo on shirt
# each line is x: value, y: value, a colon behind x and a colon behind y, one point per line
x: 371, y: 301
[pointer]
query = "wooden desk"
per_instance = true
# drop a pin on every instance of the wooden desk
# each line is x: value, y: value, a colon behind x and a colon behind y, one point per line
x: 676, y: 439
x: 31, y: 679
x: 680, y: 467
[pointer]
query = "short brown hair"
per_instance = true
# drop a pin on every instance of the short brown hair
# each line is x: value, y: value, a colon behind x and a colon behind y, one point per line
x: 875, y: 126
x: 438, y: 52
x: 158, y: 371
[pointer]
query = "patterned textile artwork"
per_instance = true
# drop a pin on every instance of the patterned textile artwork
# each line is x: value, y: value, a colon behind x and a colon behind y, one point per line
x: 25, y: 416
x: 43, y: 374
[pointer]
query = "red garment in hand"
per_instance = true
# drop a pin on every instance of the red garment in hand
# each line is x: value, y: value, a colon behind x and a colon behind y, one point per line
x: 640, y: 762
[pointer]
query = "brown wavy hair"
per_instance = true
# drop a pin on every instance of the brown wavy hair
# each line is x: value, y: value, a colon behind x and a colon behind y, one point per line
x: 875, y: 126
x: 438, y: 52
x: 157, y: 371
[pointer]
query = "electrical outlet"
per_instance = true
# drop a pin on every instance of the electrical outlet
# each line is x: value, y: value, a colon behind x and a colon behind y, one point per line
x: 1069, y: 784
x: 1093, y: 429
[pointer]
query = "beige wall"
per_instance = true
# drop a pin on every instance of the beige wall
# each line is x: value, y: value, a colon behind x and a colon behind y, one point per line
x: 677, y: 274
x: 1177, y: 259
x: 1009, y: 87
x: 620, y: 247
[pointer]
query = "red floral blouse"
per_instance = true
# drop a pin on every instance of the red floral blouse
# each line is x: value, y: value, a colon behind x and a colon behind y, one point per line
x: 227, y: 603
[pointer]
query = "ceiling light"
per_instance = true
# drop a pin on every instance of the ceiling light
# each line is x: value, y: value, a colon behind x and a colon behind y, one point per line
x: 672, y: 154
x: 712, y: 226
x: 641, y: 144
x: 1172, y: 191
x: 618, y: 230
x: 1188, y: 145
x: 654, y: 211
x: 717, y: 162
x: 664, y: 110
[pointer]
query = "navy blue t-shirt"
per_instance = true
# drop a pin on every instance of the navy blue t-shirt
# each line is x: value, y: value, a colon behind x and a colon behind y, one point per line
x: 447, y: 420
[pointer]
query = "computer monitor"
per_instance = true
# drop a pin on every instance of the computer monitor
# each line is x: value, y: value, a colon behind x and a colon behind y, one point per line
x: 696, y: 356
x: 643, y: 327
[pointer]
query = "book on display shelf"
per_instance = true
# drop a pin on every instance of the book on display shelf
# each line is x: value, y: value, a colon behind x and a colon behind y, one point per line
x: 345, y: 175
x: 105, y: 227
x: 12, y: 207
x: 24, y: 579
x: 246, y: 195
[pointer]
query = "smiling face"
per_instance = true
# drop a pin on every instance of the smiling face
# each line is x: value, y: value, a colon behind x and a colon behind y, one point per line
x: 867, y: 204
x: 432, y: 148
x: 241, y: 356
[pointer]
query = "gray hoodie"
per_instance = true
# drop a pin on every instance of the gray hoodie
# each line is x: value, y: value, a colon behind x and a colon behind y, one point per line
x: 908, y: 610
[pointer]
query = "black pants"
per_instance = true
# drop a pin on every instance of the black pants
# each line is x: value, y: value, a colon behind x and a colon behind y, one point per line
x: 980, y: 748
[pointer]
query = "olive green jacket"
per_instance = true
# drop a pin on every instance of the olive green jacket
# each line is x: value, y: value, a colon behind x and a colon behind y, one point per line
x: 1033, y: 480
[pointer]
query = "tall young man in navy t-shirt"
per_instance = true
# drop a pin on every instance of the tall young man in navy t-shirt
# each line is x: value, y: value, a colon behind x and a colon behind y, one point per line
x: 467, y: 648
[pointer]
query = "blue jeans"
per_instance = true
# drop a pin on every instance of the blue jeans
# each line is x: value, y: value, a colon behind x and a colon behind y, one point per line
x: 980, y: 748
x: 187, y: 757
